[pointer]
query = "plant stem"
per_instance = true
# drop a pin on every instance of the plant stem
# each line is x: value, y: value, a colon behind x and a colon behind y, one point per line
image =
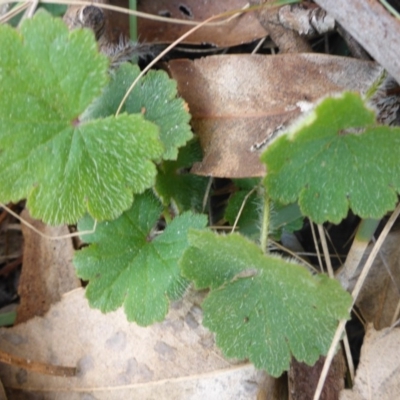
x: 364, y: 234
x: 354, y: 294
x: 133, y: 21
x: 265, y: 223
x: 325, y: 249
x: 8, y: 318
x: 167, y: 216
x: 391, y: 9
x: 366, y: 229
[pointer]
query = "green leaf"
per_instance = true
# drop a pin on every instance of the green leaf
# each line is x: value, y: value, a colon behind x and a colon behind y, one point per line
x: 155, y: 96
x: 335, y: 159
x: 260, y: 306
x: 129, y: 263
x: 57, y: 10
x: 64, y: 166
x: 285, y: 218
x: 176, y: 185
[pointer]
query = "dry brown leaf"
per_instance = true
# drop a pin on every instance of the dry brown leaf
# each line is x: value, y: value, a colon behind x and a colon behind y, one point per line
x: 2, y: 392
x: 47, y: 269
x: 175, y: 359
x: 109, y: 27
x: 287, y: 40
x: 372, y: 26
x: 380, y: 294
x: 303, y: 379
x: 238, y: 101
x: 243, y: 29
x: 306, y: 19
x: 378, y: 374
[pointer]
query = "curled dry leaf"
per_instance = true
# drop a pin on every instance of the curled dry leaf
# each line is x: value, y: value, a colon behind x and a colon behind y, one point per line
x: 242, y: 29
x: 2, y: 392
x: 109, y: 27
x: 120, y: 360
x: 372, y: 26
x: 379, y: 296
x: 239, y: 102
x: 287, y: 40
x: 307, y: 21
x: 47, y: 269
x: 378, y: 375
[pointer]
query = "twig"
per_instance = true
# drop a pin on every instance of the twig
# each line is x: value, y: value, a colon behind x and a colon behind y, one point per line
x: 34, y: 366
x: 164, y: 52
x: 372, y: 26
x: 242, y: 207
x: 26, y: 223
x: 321, y: 266
x: 355, y: 293
x: 325, y: 250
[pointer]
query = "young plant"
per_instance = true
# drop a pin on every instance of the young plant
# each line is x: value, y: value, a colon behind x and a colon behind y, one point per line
x: 63, y: 150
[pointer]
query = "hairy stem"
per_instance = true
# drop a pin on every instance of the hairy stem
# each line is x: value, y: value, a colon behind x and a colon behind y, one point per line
x: 265, y: 223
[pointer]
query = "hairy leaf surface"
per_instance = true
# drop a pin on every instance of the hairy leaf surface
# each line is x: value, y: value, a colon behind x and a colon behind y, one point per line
x: 63, y: 166
x: 260, y: 306
x: 130, y: 263
x: 335, y: 159
x: 155, y: 96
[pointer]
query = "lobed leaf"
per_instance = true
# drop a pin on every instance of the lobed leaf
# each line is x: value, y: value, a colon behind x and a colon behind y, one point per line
x: 260, y: 306
x: 155, y: 96
x: 63, y: 166
x: 335, y: 159
x: 129, y: 263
